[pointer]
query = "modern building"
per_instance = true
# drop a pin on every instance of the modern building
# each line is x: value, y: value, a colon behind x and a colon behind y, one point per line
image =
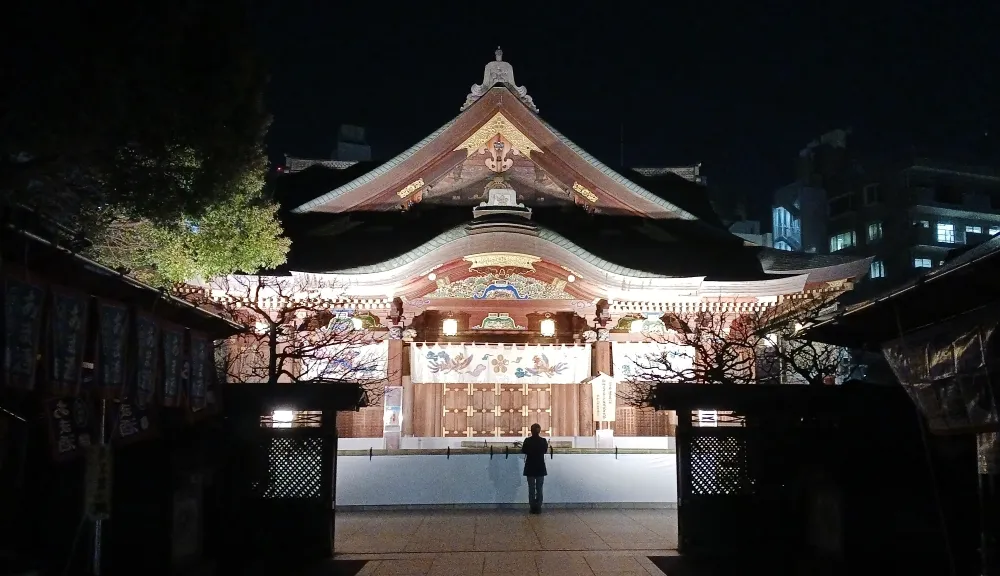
x: 352, y: 147
x: 800, y: 211
x: 750, y: 230
x: 507, y: 277
x: 909, y: 215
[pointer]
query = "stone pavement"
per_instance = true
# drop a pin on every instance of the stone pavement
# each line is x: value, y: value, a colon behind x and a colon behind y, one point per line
x: 473, y: 542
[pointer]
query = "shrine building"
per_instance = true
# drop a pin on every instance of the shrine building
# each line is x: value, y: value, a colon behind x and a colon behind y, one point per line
x: 500, y: 267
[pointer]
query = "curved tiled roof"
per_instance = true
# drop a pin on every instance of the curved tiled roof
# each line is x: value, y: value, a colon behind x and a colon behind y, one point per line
x: 618, y: 178
x: 459, y: 232
x: 584, y: 155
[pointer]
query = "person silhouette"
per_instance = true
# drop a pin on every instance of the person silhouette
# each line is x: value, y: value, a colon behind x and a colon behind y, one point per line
x: 534, y: 448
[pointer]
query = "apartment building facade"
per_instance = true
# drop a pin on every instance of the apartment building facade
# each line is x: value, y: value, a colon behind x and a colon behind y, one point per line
x: 910, y: 215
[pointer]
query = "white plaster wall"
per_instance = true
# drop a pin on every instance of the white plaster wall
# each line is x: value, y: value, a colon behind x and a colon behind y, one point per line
x: 415, y: 480
x: 440, y: 443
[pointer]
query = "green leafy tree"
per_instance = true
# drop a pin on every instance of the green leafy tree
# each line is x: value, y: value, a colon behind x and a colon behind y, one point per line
x: 142, y: 126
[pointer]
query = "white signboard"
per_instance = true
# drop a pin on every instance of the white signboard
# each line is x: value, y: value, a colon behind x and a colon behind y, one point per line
x: 604, y: 392
x: 348, y: 362
x: 633, y: 360
x: 499, y: 363
x: 393, y: 411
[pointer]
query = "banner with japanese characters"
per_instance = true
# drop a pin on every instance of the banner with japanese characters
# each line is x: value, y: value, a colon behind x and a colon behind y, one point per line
x: 173, y: 364
x: 147, y: 347
x: 112, y: 338
x: 201, y: 363
x: 71, y: 427
x: 23, y: 302
x: 67, y: 338
x: 132, y: 422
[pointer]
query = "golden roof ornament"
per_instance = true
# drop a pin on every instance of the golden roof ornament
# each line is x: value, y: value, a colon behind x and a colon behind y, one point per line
x: 499, y: 73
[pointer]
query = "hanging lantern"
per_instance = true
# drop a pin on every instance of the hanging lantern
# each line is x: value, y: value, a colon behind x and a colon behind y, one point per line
x: 449, y: 327
x: 548, y: 327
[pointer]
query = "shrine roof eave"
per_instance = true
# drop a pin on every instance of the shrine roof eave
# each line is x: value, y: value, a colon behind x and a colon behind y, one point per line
x: 618, y: 178
x: 510, y: 101
x: 459, y: 237
x: 615, y: 280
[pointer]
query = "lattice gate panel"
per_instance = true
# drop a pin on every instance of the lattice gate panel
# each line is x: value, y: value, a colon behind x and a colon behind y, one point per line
x: 489, y: 410
x: 294, y: 468
x: 719, y: 466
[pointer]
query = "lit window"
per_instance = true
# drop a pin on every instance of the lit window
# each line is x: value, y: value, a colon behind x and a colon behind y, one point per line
x: 843, y: 240
x: 994, y: 230
x: 946, y: 233
x: 877, y: 269
x: 874, y: 231
x: 921, y: 224
x: 921, y: 262
x: 973, y: 229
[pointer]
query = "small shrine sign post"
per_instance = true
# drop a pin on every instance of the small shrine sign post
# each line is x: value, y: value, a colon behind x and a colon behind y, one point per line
x: 604, y: 394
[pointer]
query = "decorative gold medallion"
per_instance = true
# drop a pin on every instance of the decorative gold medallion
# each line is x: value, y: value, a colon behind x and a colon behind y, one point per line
x: 411, y: 188
x: 502, y: 260
x: 498, y: 125
x: 579, y: 189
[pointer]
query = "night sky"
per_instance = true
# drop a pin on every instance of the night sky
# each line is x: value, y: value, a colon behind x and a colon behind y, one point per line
x: 740, y: 87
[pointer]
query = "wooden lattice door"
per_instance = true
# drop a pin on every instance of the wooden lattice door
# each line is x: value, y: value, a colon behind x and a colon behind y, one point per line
x: 491, y: 410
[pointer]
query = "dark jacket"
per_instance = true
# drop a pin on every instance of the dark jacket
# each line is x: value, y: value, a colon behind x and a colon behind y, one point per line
x: 534, y: 447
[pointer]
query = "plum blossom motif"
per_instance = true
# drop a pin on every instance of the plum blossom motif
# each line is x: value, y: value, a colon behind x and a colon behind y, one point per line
x: 500, y: 364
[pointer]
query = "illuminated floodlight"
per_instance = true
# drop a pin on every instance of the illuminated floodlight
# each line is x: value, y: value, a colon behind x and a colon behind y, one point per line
x: 282, y: 418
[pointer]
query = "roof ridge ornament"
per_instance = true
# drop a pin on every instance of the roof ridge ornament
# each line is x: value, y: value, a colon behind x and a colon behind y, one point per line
x: 500, y: 73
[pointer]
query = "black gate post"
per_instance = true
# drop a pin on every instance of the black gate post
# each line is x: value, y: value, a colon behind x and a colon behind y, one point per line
x: 329, y: 486
x: 683, y: 450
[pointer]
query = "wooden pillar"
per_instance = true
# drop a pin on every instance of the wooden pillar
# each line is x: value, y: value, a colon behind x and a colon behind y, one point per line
x: 395, y: 378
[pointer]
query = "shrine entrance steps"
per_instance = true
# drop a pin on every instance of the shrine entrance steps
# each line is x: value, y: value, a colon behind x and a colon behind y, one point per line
x: 472, y: 542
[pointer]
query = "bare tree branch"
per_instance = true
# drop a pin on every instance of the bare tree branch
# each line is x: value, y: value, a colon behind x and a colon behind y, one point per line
x: 760, y: 347
x: 290, y: 335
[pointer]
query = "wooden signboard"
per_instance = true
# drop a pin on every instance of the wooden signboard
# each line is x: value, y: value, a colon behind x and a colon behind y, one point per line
x: 98, y: 479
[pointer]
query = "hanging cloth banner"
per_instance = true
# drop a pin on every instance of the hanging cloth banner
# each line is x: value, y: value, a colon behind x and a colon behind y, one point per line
x: 112, y: 323
x: 173, y: 364
x: 67, y: 336
x: 147, y: 340
x: 201, y: 354
x: 22, y: 330
x: 70, y: 426
x: 499, y: 363
x: 132, y: 422
x: 650, y: 360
